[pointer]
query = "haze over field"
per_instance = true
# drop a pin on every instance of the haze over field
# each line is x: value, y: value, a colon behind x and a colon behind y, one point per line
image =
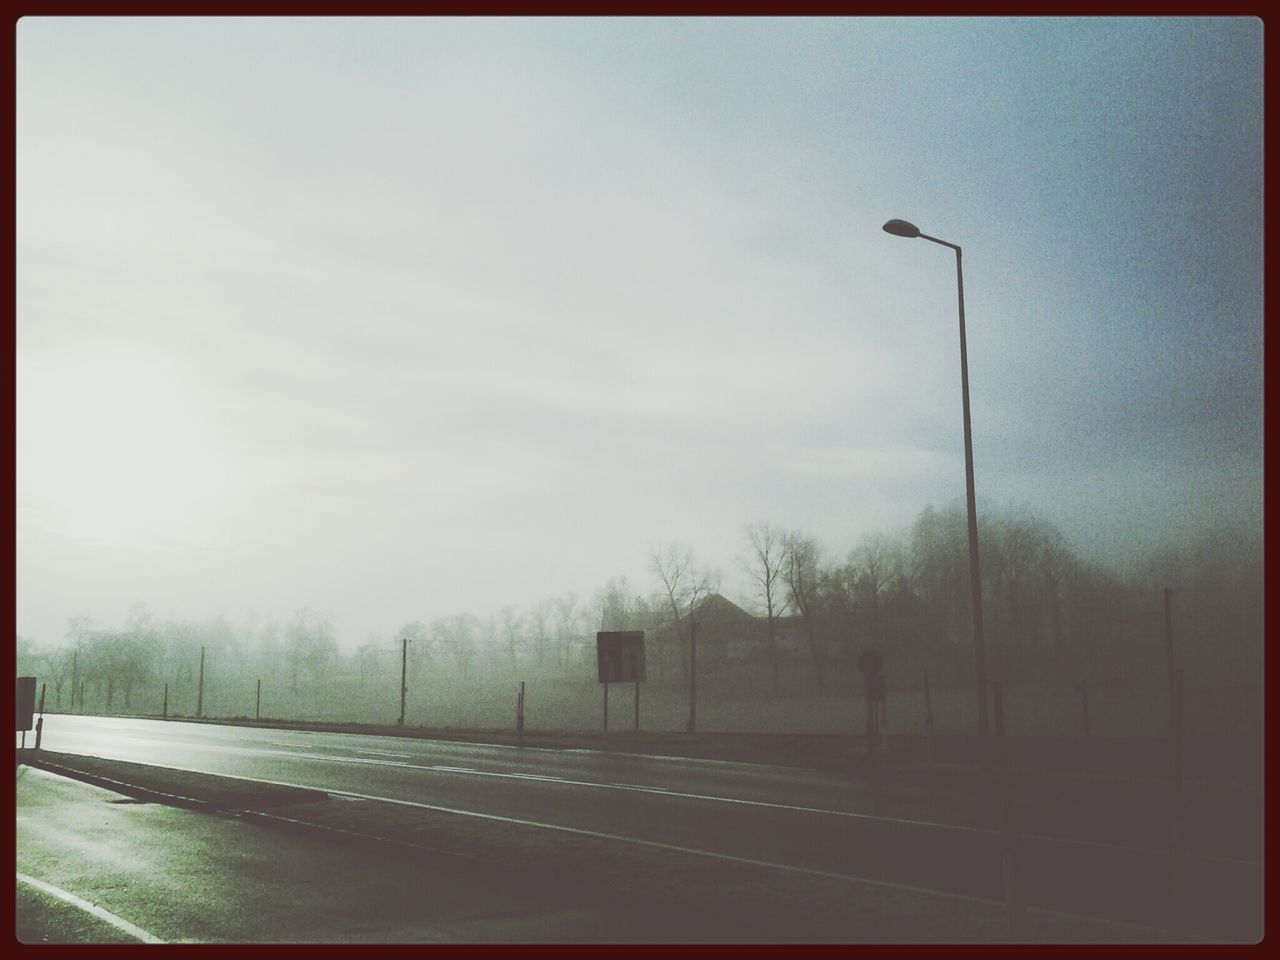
x: 400, y: 318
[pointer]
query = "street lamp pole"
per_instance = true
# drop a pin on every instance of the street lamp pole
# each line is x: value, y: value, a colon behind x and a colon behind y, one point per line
x: 901, y: 228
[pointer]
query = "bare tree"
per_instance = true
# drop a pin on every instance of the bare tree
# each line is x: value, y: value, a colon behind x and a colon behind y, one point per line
x: 800, y: 576
x: 873, y: 566
x: 309, y: 644
x: 765, y: 566
x: 512, y: 624
x: 566, y: 626
x: 684, y: 585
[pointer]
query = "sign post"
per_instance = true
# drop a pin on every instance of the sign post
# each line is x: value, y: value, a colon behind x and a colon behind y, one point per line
x: 620, y: 659
x: 26, y: 705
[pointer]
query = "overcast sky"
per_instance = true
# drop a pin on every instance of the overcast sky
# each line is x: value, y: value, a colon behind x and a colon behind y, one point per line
x: 400, y: 318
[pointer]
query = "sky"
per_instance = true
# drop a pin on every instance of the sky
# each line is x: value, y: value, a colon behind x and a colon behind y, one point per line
x: 402, y: 318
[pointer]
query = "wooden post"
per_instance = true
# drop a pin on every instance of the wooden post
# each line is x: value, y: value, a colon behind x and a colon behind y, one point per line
x: 520, y: 713
x: 404, y: 687
x: 257, y: 704
x: 164, y: 711
x: 40, y: 720
x: 200, y: 694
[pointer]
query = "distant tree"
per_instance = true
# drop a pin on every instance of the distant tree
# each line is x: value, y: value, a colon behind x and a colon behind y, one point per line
x: 566, y: 609
x: 684, y: 585
x: 459, y: 635
x: 766, y: 565
x: 512, y: 627
x: 309, y: 644
x: 540, y: 619
x: 874, y: 565
x: 800, y: 576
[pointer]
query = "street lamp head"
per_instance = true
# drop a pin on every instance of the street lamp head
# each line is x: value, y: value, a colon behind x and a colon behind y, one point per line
x: 900, y: 228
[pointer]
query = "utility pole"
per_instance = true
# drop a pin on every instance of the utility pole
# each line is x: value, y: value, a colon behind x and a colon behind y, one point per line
x: 200, y: 691
x: 404, y: 668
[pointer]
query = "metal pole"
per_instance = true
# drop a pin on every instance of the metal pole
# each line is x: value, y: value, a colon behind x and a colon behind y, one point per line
x: 200, y: 694
x: 404, y: 686
x: 975, y: 575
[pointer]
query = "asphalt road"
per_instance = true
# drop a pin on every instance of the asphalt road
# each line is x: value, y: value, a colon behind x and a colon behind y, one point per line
x: 97, y: 867
x: 1112, y: 862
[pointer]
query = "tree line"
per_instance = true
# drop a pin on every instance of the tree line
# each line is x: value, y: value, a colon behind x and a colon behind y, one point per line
x: 905, y: 592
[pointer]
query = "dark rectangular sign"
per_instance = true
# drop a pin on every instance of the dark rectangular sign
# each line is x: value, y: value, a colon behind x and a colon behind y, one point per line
x: 26, y: 702
x: 620, y: 656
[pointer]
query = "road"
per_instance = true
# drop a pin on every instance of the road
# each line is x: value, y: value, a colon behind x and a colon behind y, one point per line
x: 163, y: 874
x: 925, y: 838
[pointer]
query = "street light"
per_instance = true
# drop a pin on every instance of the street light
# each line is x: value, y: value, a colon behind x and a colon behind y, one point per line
x: 901, y: 228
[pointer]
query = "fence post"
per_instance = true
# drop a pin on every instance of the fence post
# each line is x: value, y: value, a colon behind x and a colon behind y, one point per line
x: 164, y: 710
x: 200, y: 693
x: 520, y: 713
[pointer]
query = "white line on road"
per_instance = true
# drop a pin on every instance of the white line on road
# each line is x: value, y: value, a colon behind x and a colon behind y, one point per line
x: 694, y: 851
x: 666, y: 792
x: 104, y: 915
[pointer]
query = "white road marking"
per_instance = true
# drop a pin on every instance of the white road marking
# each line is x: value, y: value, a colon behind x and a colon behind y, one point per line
x: 104, y: 915
x: 655, y: 844
x: 664, y: 791
x: 350, y: 795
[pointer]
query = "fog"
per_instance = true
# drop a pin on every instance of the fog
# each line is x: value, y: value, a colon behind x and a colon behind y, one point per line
x: 1056, y: 625
x: 335, y: 331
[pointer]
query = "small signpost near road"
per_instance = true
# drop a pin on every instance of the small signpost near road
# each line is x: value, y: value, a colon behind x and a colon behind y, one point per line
x: 620, y: 659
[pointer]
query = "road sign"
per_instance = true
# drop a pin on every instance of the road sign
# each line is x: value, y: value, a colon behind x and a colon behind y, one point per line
x: 620, y: 656
x: 871, y: 663
x: 26, y: 702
